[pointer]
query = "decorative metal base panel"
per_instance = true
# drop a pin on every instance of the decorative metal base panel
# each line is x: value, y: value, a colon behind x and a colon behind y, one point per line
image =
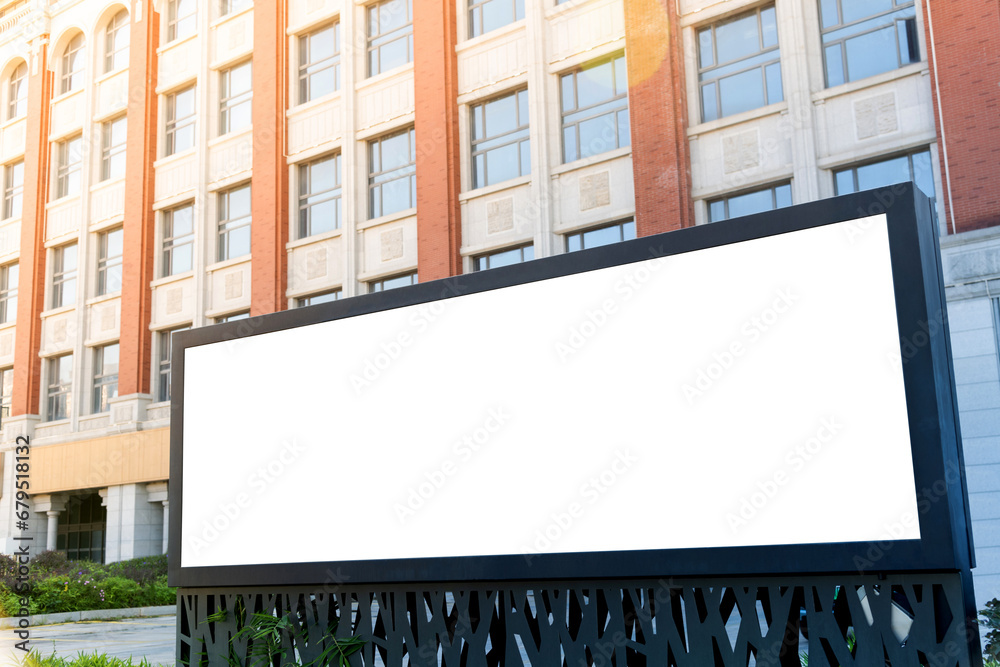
x: 822, y: 621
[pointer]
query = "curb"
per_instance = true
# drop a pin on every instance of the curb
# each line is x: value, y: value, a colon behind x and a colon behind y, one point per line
x: 89, y: 615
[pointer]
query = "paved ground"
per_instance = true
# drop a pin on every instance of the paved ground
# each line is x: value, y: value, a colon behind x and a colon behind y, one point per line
x: 152, y: 638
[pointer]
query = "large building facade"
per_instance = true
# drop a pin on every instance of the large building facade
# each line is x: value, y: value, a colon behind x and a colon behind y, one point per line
x: 169, y: 164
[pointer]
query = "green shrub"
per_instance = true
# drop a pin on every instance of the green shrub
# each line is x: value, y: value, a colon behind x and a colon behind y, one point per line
x: 991, y: 621
x: 34, y: 659
x: 120, y: 593
x: 144, y: 570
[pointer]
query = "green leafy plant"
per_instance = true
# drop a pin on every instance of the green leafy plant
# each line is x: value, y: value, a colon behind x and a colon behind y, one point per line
x: 35, y: 659
x: 990, y: 619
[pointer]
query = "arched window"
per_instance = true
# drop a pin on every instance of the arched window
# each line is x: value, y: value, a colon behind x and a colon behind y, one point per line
x: 73, y: 65
x: 17, y: 92
x: 116, y: 41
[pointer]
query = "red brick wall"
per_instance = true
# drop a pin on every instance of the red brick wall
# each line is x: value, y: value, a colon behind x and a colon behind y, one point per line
x: 140, y: 221
x: 269, y: 186
x: 965, y: 77
x: 31, y: 289
x: 435, y: 75
x: 660, y: 157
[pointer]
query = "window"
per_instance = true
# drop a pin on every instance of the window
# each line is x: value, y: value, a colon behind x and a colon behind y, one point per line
x: 230, y: 6
x: 105, y: 377
x: 739, y: 64
x: 595, y: 109
x: 500, y: 146
x: 182, y: 19
x: 319, y: 63
x: 313, y: 299
x: 390, y: 35
x: 13, y: 190
x: 319, y: 196
x: 17, y: 92
x: 237, y: 93
x: 64, y: 275
x: 166, y: 341
x: 180, y: 120
x: 862, y: 39
x: 59, y: 392
x: 392, y: 173
x: 70, y: 159
x: 593, y: 238
x: 234, y: 223
x: 486, y: 15
x: 81, y: 532
x: 916, y: 167
x: 116, y: 42
x: 392, y: 283
x: 232, y: 318
x: 178, y: 240
x: 748, y: 203
x: 73, y: 64
x: 6, y: 392
x: 495, y: 260
x: 9, y: 276
x: 113, y: 149
x: 109, y: 262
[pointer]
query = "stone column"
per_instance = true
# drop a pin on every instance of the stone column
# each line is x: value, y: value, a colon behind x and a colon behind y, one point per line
x: 51, y: 506
x: 157, y: 493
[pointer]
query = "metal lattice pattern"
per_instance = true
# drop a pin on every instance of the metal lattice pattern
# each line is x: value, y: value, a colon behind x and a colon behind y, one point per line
x: 902, y: 621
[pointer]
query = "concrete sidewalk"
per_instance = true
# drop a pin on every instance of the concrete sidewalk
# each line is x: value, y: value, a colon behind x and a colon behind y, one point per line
x: 150, y: 638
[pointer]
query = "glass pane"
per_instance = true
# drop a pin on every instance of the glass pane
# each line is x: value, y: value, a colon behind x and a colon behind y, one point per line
x: 568, y: 97
x: 595, y: 85
x: 844, y: 180
x: 69, y: 257
x: 770, y: 27
x: 529, y: 253
x: 522, y: 107
x: 737, y: 39
x: 855, y: 10
x: 717, y: 211
x: 392, y: 15
x: 783, y: 195
x: 114, y: 243
x: 109, y: 360
x: 705, y: 54
x: 599, y: 237
x: 923, y: 173
x: 624, y: 129
x: 569, y: 144
x: 480, y: 167
x: 74, y: 541
x: 773, y: 75
x: 573, y: 242
x: 323, y: 175
x: 621, y: 76
x: 883, y: 173
x: 709, y: 103
x: 497, y: 13
x: 239, y: 203
x: 183, y: 138
x: 239, y: 241
x: 68, y: 293
x: 500, y: 115
x: 181, y: 259
x: 871, y: 54
x: 184, y: 103
x: 502, y: 164
x: 324, y: 216
x: 742, y: 92
x: 828, y: 13
x: 597, y: 135
x: 395, y: 196
x: 505, y: 258
x: 752, y: 202
x: 395, y: 151
x: 628, y: 230
x: 834, y: 66
x: 182, y: 221
x: 393, y: 54
x: 525, y: 158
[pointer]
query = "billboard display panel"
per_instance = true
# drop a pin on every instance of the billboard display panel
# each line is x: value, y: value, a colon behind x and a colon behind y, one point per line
x: 737, y: 398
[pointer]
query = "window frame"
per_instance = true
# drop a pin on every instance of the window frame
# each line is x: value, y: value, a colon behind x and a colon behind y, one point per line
x: 163, y: 364
x: 65, y: 170
x: 305, y: 206
x: 8, y: 292
x: 61, y: 276
x: 17, y: 92
x: 110, y: 152
x: 305, y: 92
x: 520, y: 135
x: 227, y: 7
x: 57, y: 393
x: 731, y: 68
x: 13, y: 193
x: 169, y: 240
x: 175, y: 124
x: 487, y: 256
x: 614, y: 111
x: 107, y: 263
x: 582, y: 234
x: 879, y: 159
x: 6, y: 392
x: 72, y: 55
x: 408, y: 171
x: 306, y: 301
x: 111, y: 31
x: 475, y: 9
x: 898, y: 8
x: 104, y: 385
x: 225, y: 225
x: 174, y: 21
x: 404, y: 31
x: 376, y: 286
x: 772, y: 187
x: 230, y: 101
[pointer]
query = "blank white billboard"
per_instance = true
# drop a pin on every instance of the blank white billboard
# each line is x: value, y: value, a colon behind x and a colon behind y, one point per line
x: 724, y: 397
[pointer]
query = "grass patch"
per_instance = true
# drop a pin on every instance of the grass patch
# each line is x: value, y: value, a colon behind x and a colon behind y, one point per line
x: 95, y: 659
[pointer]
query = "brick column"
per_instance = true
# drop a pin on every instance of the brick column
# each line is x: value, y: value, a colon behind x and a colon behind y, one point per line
x: 31, y: 290
x: 435, y: 80
x: 660, y: 153
x: 269, y: 186
x: 140, y: 222
x: 963, y: 43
